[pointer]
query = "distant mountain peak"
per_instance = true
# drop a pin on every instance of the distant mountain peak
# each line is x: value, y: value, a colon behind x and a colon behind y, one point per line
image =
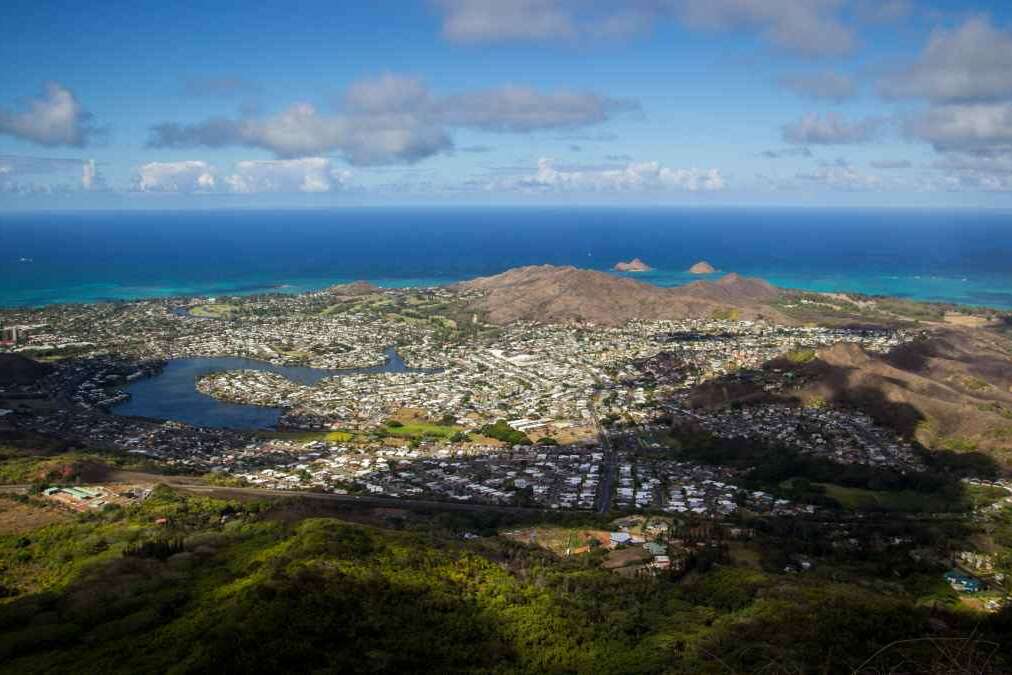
x: 549, y: 294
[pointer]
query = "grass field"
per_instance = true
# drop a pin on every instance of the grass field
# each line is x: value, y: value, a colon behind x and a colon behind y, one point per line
x: 213, y: 311
x: 309, y: 436
x: 984, y: 495
x: 410, y: 430
x: 365, y: 303
x: 17, y: 517
x: 859, y: 498
x: 906, y: 501
x: 800, y: 356
x: 418, y: 429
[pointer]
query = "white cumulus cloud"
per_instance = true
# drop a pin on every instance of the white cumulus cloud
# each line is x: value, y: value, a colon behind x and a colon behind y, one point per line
x: 812, y: 27
x: 842, y: 177
x: 965, y: 75
x: 185, y: 176
x: 495, y: 21
x: 831, y: 129
x: 54, y: 118
x: 642, y: 176
x: 394, y: 119
x: 975, y: 128
x: 808, y: 27
x: 312, y: 174
x: 48, y: 174
x: 970, y: 63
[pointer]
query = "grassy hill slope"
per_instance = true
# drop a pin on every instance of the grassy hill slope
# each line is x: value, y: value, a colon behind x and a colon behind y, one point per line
x: 249, y: 587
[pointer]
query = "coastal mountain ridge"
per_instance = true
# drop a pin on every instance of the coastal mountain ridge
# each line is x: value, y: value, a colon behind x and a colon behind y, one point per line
x: 550, y: 293
x: 732, y: 289
x: 952, y: 389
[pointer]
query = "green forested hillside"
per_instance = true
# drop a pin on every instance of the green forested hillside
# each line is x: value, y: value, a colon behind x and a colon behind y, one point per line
x: 230, y: 587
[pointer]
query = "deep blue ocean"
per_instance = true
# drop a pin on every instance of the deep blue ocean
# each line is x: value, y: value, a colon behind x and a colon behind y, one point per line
x: 57, y: 257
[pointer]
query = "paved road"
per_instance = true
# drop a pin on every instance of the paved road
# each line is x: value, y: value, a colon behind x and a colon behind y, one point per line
x: 187, y: 484
x: 607, y: 486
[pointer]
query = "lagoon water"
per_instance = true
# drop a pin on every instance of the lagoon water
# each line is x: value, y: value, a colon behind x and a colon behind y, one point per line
x: 962, y: 256
x: 173, y: 395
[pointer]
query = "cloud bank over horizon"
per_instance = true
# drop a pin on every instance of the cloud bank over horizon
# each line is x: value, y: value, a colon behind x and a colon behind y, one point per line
x: 633, y: 177
x: 311, y: 174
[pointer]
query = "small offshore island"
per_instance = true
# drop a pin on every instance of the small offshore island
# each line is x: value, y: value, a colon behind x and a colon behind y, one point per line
x: 634, y: 265
x: 702, y: 267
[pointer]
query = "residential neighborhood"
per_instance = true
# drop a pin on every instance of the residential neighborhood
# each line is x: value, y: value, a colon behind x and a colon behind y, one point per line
x: 343, y: 365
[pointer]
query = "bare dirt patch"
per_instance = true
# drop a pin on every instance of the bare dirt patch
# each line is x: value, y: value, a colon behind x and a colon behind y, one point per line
x: 576, y: 434
x: 409, y: 415
x: 624, y: 557
x: 966, y: 320
x: 561, y: 541
x: 18, y: 517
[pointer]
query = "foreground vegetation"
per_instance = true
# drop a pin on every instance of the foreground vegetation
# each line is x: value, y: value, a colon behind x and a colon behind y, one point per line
x: 30, y: 459
x: 192, y: 584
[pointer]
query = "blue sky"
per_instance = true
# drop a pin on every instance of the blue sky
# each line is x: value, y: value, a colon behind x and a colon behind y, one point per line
x: 702, y: 102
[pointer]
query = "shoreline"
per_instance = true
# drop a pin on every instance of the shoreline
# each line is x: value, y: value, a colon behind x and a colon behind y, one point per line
x: 870, y: 287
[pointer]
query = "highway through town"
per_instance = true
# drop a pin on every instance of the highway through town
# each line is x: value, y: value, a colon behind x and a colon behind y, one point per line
x: 607, y: 486
x: 195, y: 486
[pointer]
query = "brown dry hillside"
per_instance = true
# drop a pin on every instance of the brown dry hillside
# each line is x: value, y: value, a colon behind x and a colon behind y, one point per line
x: 952, y: 390
x: 731, y: 289
x: 548, y: 294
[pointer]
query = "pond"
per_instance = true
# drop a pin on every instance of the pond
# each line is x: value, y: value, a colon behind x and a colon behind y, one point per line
x: 172, y: 394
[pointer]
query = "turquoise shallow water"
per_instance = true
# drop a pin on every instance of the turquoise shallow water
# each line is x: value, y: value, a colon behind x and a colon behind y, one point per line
x: 981, y: 290
x: 953, y: 256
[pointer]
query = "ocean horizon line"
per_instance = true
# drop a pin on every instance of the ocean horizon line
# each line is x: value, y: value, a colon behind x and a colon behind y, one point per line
x: 518, y: 206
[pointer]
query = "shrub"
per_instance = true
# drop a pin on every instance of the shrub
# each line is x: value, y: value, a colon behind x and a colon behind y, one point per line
x: 505, y: 433
x: 161, y: 549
